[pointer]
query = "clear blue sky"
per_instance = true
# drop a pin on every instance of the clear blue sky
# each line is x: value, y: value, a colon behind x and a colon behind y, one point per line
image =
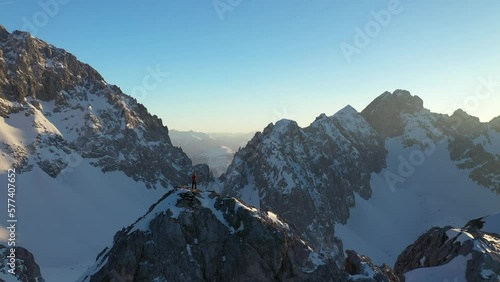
x: 236, y: 70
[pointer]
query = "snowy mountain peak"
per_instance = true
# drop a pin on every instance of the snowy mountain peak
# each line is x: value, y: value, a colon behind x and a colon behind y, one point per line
x: 319, y: 168
x: 385, y: 112
x: 347, y: 110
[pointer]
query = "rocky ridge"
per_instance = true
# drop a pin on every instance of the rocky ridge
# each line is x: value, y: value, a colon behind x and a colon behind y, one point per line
x: 26, y: 269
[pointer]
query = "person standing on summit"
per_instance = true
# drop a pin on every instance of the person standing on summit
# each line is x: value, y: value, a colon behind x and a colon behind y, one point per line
x: 194, y: 182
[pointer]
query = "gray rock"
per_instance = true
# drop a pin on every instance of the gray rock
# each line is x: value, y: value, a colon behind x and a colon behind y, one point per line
x: 438, y: 247
x: 384, y: 113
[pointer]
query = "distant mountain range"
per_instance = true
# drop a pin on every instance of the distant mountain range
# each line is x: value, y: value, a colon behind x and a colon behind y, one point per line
x: 214, y: 149
x: 102, y: 192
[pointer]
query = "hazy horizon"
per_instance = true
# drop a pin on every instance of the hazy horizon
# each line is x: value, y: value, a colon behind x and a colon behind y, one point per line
x: 237, y: 66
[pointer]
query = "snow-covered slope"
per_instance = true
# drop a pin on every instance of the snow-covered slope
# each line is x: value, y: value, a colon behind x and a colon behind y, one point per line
x: 63, y: 107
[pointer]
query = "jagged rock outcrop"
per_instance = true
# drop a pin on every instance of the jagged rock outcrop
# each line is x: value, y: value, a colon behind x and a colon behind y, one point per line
x: 75, y: 114
x: 190, y: 236
x: 472, y: 144
x: 361, y: 268
x: 479, y: 241
x: 309, y: 175
x: 26, y: 269
x: 385, y: 112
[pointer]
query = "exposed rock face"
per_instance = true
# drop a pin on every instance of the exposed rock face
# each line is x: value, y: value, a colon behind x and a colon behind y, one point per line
x: 385, y: 112
x: 203, y: 237
x: 480, y: 240
x: 361, y: 268
x: 311, y: 175
x: 30, y: 67
x: 314, y: 172
x: 26, y: 268
x: 74, y: 113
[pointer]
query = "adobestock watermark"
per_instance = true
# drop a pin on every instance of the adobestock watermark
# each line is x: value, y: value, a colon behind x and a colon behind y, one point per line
x: 484, y: 90
x: 223, y: 6
x: 150, y: 82
x: 364, y: 36
x: 49, y: 9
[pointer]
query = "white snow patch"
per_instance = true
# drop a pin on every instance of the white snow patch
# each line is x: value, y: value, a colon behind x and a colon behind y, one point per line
x: 454, y: 271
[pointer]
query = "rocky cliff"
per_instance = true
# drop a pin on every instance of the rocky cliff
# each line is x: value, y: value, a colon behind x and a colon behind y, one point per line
x: 190, y: 236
